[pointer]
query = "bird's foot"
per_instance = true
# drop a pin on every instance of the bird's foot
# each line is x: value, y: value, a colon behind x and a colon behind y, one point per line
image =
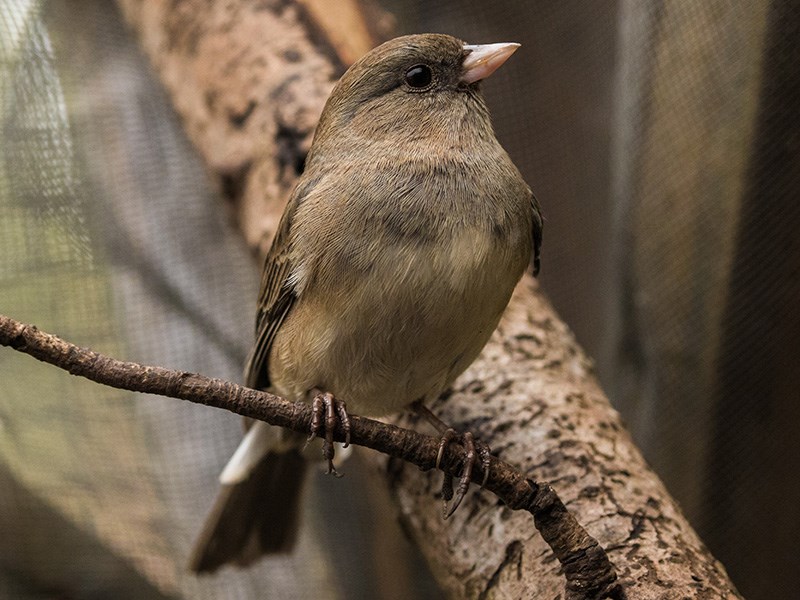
x: 326, y: 408
x: 476, y: 449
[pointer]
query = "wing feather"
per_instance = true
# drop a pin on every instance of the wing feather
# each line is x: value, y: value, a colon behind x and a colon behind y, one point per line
x: 277, y: 294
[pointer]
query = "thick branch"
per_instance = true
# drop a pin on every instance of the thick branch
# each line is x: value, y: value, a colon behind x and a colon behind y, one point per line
x: 586, y: 567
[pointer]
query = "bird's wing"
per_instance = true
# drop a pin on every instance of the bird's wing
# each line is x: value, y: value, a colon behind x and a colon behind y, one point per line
x: 276, y: 296
x: 537, y: 233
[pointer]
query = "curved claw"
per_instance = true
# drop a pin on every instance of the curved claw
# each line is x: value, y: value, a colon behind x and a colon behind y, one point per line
x: 466, y: 474
x: 447, y: 493
x: 344, y: 420
x: 316, y: 419
x: 474, y: 448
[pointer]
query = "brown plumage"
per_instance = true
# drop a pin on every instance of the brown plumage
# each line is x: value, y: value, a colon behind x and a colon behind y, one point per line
x: 395, y: 257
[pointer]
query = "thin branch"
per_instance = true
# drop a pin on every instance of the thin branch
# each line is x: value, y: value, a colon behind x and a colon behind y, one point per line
x: 587, y: 569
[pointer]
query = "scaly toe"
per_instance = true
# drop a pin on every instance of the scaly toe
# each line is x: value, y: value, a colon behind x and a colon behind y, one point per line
x: 317, y: 406
x: 448, y: 436
x: 333, y: 410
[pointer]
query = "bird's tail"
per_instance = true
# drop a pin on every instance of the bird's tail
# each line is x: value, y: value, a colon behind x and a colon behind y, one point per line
x: 254, y: 516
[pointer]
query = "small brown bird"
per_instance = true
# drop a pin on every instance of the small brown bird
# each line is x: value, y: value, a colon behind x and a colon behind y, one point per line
x: 396, y: 255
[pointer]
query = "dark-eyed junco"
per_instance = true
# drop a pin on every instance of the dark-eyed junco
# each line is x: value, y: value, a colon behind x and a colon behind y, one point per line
x: 394, y: 260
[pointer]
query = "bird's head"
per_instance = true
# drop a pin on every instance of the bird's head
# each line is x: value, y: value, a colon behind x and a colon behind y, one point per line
x: 414, y: 88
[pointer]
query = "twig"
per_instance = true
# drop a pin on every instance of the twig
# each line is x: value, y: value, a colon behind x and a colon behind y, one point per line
x: 587, y: 569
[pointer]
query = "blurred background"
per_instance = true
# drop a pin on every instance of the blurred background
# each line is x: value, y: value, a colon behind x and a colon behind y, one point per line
x: 663, y: 141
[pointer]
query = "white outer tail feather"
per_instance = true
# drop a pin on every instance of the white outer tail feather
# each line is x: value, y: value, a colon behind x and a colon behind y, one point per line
x: 256, y: 443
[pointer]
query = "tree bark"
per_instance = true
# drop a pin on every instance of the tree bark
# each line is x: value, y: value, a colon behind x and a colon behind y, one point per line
x: 249, y: 80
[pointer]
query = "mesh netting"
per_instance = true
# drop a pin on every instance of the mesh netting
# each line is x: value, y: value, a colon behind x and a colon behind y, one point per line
x: 662, y: 141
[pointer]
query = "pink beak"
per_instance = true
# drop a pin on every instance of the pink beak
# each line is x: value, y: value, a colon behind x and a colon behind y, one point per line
x: 485, y: 59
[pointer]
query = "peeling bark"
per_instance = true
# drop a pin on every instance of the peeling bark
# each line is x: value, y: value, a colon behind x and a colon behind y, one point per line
x: 249, y: 80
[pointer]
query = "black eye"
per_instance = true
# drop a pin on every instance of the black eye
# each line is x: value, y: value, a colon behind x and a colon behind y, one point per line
x: 419, y: 76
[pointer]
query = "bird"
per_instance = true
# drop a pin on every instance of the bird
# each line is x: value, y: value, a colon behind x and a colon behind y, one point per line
x: 394, y: 259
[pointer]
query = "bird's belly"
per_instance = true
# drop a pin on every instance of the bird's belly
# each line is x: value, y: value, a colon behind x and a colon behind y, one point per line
x: 400, y: 332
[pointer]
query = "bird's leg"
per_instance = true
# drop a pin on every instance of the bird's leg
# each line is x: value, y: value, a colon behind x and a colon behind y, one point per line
x: 475, y: 448
x: 333, y: 410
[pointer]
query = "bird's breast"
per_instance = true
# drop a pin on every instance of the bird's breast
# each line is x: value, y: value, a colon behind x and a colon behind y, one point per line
x: 399, y: 292
x: 401, y: 329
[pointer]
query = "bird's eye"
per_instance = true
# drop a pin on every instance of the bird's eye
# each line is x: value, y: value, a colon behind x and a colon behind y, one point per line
x: 419, y: 76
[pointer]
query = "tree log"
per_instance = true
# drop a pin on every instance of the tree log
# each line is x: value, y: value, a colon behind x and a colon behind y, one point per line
x: 249, y: 80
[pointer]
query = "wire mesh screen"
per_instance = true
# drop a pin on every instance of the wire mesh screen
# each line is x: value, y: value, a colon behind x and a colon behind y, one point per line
x: 113, y: 237
x: 662, y: 141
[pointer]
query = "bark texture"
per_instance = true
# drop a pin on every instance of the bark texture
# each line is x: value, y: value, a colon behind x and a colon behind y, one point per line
x: 249, y: 80
x: 533, y: 397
